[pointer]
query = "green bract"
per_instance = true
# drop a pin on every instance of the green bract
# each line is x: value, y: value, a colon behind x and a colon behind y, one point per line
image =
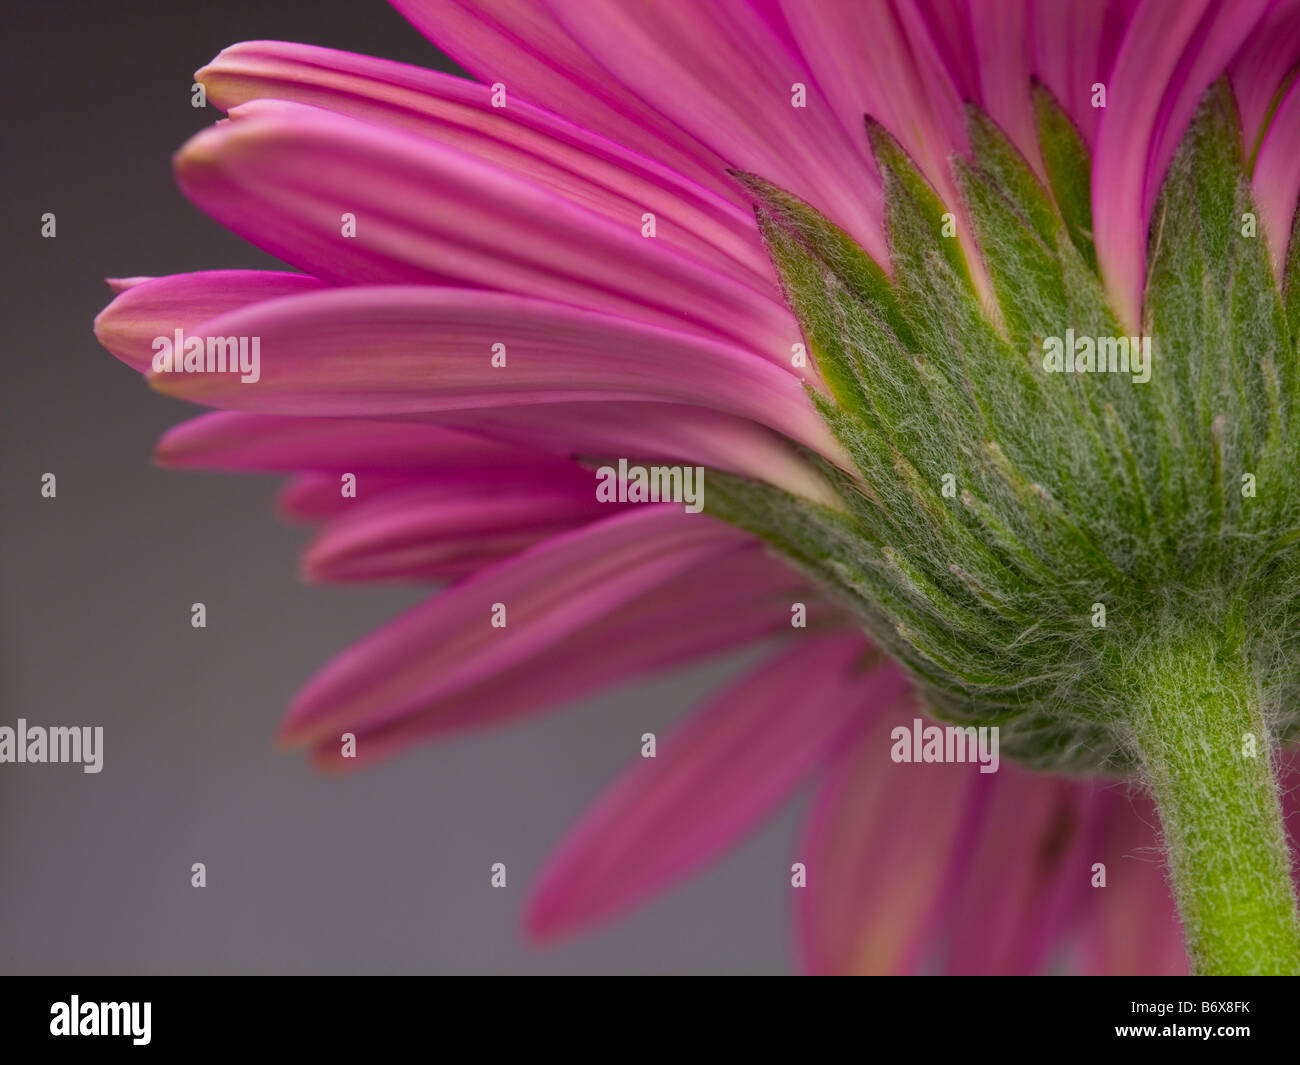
x: 1001, y: 506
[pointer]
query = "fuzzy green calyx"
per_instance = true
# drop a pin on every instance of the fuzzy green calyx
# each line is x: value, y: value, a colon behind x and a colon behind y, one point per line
x: 1013, y: 533
x: 1101, y: 558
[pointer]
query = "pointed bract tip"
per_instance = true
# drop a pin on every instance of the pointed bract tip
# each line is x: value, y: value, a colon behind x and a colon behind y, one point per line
x: 756, y: 188
x: 882, y: 142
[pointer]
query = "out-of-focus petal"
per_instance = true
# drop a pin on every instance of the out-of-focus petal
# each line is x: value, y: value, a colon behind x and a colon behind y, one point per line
x: 315, y: 497
x: 1028, y: 877
x: 1289, y: 774
x: 436, y: 530
x: 1130, y: 926
x: 449, y: 643
x: 404, y: 350
x: 716, y: 605
x: 885, y: 845
x: 282, y: 175
x: 272, y: 443
x: 148, y: 308
x: 710, y: 783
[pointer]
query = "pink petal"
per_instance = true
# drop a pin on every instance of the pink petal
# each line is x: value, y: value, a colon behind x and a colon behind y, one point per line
x: 578, y: 165
x: 1029, y: 876
x: 717, y: 605
x: 519, y: 439
x: 1276, y: 182
x: 890, y: 62
x: 396, y: 350
x: 313, y: 497
x: 1004, y: 50
x: 435, y: 530
x: 1289, y: 774
x: 1218, y: 38
x: 146, y: 308
x: 1075, y: 45
x: 939, y: 33
x: 282, y: 175
x: 448, y: 644
x: 1173, y: 50
x: 121, y: 284
x: 872, y: 59
x: 725, y: 76
x: 233, y: 440
x: 522, y: 46
x: 884, y: 846
x: 712, y: 781
x: 1153, y: 46
x: 1130, y: 927
x: 664, y: 432
x: 1262, y: 65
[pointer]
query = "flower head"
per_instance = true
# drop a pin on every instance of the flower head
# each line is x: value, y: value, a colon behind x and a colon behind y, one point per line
x: 843, y: 257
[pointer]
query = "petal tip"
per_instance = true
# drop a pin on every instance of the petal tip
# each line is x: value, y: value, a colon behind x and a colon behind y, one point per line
x: 542, y: 923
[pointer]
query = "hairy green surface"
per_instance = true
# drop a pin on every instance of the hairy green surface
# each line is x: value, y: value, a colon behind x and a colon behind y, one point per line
x: 1198, y: 721
x: 1065, y: 490
x: 1106, y: 569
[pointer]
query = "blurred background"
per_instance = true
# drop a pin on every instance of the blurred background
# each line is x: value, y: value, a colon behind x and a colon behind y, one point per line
x: 382, y: 871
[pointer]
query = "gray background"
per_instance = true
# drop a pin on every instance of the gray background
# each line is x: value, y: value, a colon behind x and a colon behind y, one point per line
x: 385, y: 870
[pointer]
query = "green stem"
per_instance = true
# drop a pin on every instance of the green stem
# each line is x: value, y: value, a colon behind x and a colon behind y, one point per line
x: 1201, y: 731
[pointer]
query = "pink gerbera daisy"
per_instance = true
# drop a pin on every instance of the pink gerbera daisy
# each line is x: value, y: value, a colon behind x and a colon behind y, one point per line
x: 663, y: 233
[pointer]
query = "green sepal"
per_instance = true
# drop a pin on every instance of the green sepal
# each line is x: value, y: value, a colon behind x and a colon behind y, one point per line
x: 804, y: 283
x: 1069, y: 170
x: 899, y: 174
x: 829, y: 245
x: 994, y: 505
